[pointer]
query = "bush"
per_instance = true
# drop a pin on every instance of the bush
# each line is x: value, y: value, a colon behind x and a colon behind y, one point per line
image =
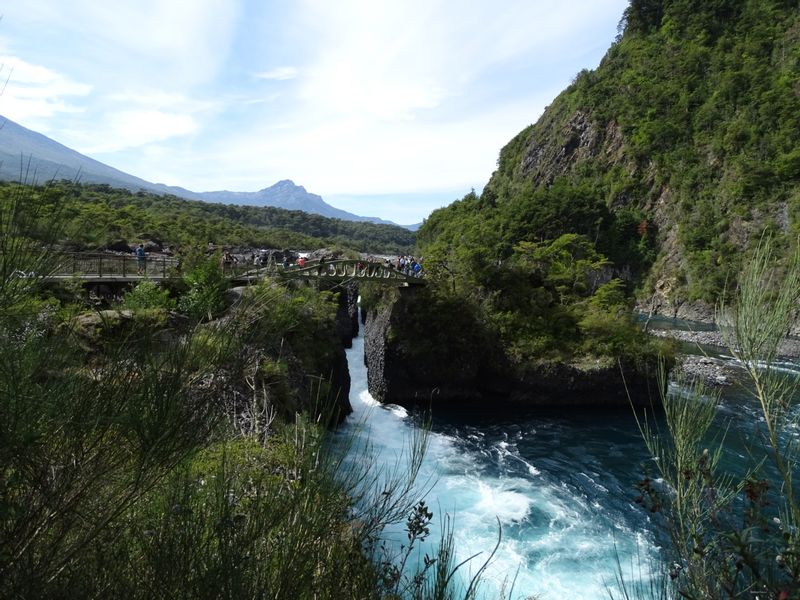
x: 207, y: 285
x: 147, y: 294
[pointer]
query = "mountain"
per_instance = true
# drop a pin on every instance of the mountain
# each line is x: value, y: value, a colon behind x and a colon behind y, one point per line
x: 30, y: 156
x: 672, y: 157
x: 286, y: 194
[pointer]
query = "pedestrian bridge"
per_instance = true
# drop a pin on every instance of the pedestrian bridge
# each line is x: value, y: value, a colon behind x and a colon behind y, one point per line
x: 110, y: 269
x: 341, y: 271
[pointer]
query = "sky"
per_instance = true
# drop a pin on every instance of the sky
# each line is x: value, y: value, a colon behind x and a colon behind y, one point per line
x: 387, y: 108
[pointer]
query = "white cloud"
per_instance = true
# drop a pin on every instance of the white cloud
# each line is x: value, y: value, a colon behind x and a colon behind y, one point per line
x: 397, y: 60
x: 278, y: 73
x: 175, y: 42
x: 132, y: 128
x: 34, y: 93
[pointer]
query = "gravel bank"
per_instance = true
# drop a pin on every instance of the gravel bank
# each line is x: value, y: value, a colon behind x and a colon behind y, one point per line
x: 714, y: 371
x: 790, y: 347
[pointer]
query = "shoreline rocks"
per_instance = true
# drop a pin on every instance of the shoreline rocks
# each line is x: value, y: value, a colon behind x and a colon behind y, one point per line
x: 711, y: 370
x: 789, y: 347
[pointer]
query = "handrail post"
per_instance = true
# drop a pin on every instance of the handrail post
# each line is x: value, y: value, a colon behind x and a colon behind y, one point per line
x: 164, y: 267
x: 99, y: 266
x: 124, y: 264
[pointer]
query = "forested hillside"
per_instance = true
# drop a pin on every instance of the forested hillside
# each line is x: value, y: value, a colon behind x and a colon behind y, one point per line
x: 96, y: 215
x: 670, y: 159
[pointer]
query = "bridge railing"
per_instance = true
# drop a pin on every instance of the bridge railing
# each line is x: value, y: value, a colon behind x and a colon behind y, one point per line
x: 353, y: 269
x: 114, y: 265
x: 100, y: 266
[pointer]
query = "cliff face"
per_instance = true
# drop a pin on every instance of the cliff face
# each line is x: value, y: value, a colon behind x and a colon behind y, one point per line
x: 305, y: 390
x: 293, y: 350
x: 413, y: 359
x: 690, y: 125
x: 347, y: 314
x: 422, y: 354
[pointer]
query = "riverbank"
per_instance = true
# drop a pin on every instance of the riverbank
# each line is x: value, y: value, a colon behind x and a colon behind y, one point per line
x: 713, y: 371
x: 789, y: 347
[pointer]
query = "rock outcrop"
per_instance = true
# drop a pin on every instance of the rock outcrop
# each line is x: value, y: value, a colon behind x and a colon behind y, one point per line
x: 402, y: 372
x: 418, y: 355
x: 347, y: 314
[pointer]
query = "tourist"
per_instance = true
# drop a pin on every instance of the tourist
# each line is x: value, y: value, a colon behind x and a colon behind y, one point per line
x: 141, y: 260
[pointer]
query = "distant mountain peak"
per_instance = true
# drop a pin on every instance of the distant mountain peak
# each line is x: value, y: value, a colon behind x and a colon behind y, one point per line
x: 52, y: 160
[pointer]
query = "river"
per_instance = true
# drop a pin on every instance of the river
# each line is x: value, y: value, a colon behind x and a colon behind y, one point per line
x: 560, y: 484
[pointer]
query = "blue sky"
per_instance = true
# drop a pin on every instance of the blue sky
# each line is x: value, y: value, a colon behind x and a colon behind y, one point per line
x: 385, y: 108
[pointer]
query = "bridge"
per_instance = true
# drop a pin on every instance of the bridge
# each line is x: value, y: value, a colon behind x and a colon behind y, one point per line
x: 125, y: 269
x: 335, y: 271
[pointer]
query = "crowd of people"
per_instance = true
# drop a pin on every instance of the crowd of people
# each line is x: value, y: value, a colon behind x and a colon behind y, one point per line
x: 408, y: 265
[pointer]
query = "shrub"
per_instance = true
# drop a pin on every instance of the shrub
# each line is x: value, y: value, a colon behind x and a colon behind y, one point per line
x: 147, y: 294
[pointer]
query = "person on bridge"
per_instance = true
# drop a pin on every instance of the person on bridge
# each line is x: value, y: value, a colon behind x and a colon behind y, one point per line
x: 141, y: 260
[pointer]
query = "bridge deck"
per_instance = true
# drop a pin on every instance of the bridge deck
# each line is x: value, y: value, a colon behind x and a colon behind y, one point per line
x: 104, y: 268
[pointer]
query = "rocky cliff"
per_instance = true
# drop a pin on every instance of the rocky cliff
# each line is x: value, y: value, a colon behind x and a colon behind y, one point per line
x: 347, y: 314
x: 421, y: 351
x: 690, y: 127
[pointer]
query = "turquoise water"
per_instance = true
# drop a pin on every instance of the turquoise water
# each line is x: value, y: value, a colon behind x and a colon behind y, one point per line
x: 560, y: 486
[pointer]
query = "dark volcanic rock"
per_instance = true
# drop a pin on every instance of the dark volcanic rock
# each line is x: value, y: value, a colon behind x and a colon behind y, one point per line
x: 418, y: 355
x: 347, y: 314
x: 119, y: 246
x: 346, y: 310
x: 561, y: 384
x: 418, y: 352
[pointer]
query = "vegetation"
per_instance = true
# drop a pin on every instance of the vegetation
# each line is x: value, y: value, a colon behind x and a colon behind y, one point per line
x: 733, y: 528
x: 671, y: 157
x: 96, y: 215
x: 538, y: 280
x: 147, y: 453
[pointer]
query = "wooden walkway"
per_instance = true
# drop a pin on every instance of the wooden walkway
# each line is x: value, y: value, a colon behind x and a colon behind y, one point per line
x: 107, y: 268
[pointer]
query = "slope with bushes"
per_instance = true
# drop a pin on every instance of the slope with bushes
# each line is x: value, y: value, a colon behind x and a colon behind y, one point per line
x: 670, y: 158
x: 96, y: 215
x: 173, y: 446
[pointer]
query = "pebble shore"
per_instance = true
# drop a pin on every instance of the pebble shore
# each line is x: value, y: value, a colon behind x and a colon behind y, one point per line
x: 714, y: 371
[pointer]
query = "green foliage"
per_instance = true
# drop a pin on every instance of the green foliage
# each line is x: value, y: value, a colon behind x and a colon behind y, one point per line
x: 81, y: 445
x: 147, y: 294
x: 565, y: 265
x: 544, y: 298
x: 692, y: 121
x: 94, y: 216
x: 207, y: 286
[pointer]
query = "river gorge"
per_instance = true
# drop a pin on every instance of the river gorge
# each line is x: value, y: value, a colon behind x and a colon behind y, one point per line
x: 561, y: 485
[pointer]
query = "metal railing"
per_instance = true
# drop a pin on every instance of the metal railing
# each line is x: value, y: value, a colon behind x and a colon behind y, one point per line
x: 115, y: 265
x: 354, y: 269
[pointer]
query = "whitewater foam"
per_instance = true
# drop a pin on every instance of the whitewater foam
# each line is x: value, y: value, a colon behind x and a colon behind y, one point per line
x: 562, y: 529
